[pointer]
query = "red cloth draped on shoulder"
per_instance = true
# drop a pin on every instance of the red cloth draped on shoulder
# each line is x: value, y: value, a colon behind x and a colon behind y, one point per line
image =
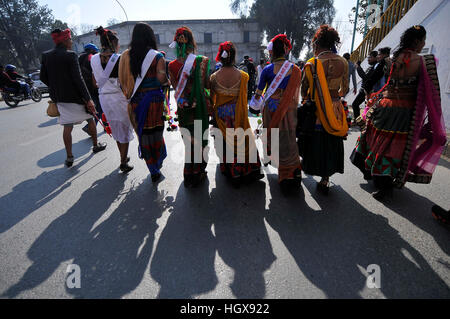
x: 290, y: 95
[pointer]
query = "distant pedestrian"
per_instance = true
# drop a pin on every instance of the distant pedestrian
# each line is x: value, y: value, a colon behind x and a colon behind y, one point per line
x: 84, y: 59
x: 259, y: 70
x: 60, y: 71
x: 248, y: 67
x: 373, y: 74
x: 351, y: 73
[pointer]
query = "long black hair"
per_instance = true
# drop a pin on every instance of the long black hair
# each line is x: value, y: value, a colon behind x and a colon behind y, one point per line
x: 278, y: 50
x: 409, y: 39
x: 142, y: 40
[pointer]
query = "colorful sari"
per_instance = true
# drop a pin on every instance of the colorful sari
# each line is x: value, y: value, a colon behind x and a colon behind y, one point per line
x: 197, y: 96
x: 230, y: 114
x: 146, y: 112
x: 280, y: 112
x: 323, y: 152
x: 396, y: 142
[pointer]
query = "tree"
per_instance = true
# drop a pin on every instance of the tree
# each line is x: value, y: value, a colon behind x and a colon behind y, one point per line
x: 298, y: 19
x: 22, y: 23
x: 86, y: 28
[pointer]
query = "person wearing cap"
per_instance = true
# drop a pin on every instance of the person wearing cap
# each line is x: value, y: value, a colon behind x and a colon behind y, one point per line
x: 90, y: 50
x: 248, y: 66
x: 60, y: 71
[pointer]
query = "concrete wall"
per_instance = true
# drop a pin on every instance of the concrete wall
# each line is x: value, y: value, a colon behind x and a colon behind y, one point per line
x: 434, y: 15
x: 222, y: 30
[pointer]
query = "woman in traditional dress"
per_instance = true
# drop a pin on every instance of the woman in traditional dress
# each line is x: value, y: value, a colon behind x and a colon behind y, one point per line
x: 322, y: 151
x: 142, y: 75
x: 404, y: 133
x: 230, y: 113
x: 189, y: 75
x: 105, y: 67
x: 280, y: 111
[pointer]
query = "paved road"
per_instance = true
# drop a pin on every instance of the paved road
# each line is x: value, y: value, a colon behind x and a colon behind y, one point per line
x: 132, y: 239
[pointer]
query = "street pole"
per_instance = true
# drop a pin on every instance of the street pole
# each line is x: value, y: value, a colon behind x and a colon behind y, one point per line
x: 354, y: 27
x: 126, y: 16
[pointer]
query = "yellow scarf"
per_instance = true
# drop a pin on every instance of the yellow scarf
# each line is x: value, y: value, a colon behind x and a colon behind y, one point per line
x: 325, y: 110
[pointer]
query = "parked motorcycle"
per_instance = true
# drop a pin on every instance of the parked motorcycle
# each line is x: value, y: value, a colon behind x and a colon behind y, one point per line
x: 12, y: 99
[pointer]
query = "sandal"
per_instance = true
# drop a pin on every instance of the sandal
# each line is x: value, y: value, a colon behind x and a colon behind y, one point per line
x: 125, y: 168
x: 69, y: 161
x: 323, y: 188
x: 99, y: 147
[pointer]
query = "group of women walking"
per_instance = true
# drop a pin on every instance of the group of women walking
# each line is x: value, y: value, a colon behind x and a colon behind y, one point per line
x: 396, y: 145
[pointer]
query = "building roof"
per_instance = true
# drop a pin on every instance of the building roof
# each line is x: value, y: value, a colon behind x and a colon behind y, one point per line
x: 176, y: 22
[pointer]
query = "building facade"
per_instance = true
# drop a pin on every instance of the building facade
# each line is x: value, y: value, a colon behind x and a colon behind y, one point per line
x: 208, y: 34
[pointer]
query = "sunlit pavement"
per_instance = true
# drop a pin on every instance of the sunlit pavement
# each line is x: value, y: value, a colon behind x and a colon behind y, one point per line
x: 133, y: 239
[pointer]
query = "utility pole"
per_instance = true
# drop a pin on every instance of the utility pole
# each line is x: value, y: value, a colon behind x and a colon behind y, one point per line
x: 354, y: 27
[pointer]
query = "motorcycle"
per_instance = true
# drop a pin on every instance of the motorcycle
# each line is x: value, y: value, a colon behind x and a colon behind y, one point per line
x: 12, y: 98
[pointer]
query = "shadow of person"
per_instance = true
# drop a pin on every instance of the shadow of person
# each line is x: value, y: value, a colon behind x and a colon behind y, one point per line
x: 334, y: 248
x: 32, y: 194
x: 417, y: 209
x: 57, y: 158
x: 68, y: 236
x: 51, y: 122
x: 241, y: 235
x: 444, y: 162
x: 183, y: 261
x: 114, y: 256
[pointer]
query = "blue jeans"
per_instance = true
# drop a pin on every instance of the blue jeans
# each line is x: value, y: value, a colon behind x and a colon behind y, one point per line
x: 25, y: 88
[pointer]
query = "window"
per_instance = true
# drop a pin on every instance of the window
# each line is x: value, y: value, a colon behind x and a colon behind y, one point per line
x: 246, y: 36
x: 208, y: 37
x: 157, y: 39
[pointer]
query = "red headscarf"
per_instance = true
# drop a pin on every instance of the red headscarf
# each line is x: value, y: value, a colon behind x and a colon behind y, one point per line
x: 180, y: 31
x: 283, y: 37
x: 225, y: 46
x: 62, y: 36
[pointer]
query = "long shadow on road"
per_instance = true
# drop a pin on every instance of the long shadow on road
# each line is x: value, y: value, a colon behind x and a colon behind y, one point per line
x: 112, y: 256
x: 30, y: 195
x: 334, y: 247
x: 242, y: 240
x: 183, y: 262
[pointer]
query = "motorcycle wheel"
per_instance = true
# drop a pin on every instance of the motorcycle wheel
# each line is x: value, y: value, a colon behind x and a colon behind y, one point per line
x: 36, y: 95
x: 9, y: 101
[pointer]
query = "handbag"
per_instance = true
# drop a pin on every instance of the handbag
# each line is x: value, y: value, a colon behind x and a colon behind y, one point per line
x: 306, y: 113
x: 52, y: 109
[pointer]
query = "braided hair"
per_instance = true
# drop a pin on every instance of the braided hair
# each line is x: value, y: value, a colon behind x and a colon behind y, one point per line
x: 108, y: 39
x: 410, y: 38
